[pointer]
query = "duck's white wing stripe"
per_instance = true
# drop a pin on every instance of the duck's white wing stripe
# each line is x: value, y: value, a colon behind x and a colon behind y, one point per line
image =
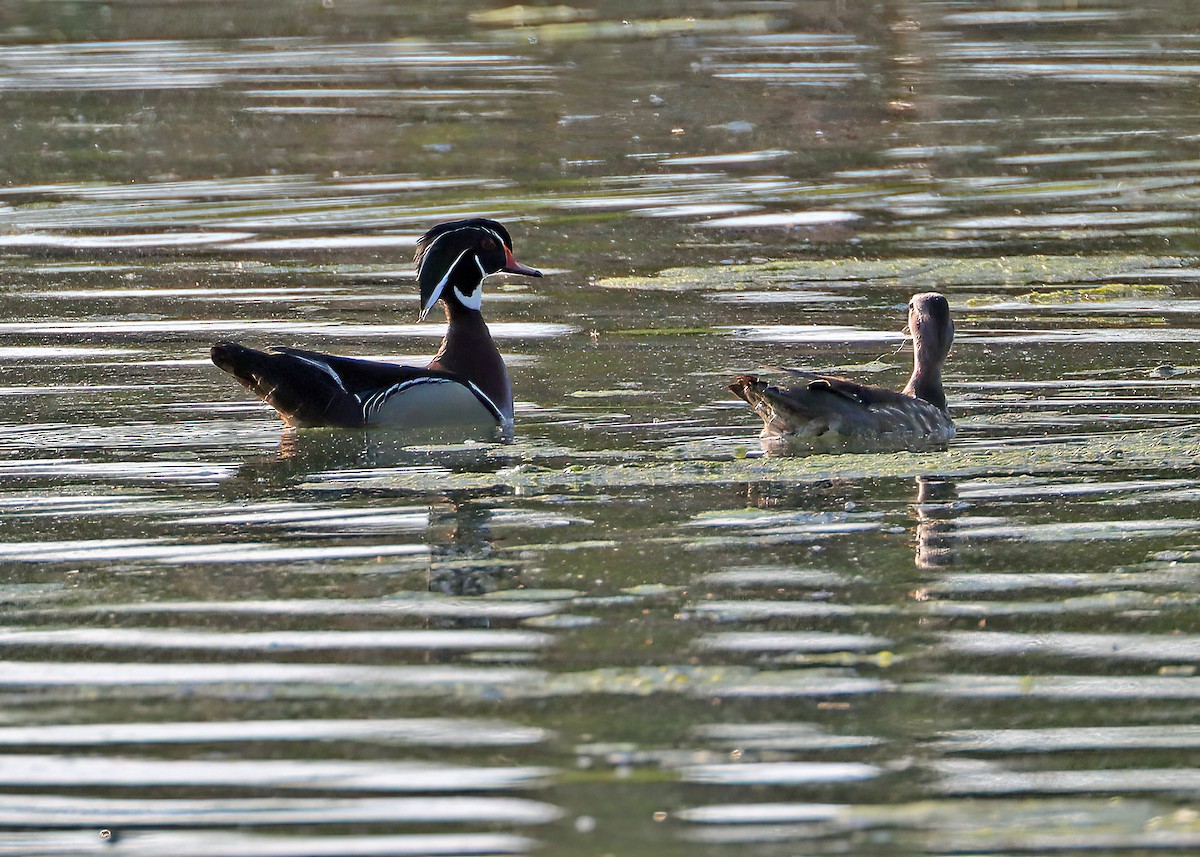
x: 483, y: 397
x: 324, y: 367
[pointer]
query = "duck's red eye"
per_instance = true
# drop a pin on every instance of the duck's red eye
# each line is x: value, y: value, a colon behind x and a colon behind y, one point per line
x: 487, y: 244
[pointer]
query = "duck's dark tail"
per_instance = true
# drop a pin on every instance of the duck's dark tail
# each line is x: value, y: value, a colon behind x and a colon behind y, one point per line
x: 305, y: 392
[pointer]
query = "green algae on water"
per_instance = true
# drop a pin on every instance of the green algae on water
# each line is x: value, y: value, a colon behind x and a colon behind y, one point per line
x: 913, y: 273
x: 1091, y: 294
x: 1176, y: 448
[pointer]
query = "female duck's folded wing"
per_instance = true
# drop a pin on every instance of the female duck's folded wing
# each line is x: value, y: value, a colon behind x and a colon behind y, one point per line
x: 828, y: 405
x: 310, y: 388
x: 862, y: 394
x: 823, y: 394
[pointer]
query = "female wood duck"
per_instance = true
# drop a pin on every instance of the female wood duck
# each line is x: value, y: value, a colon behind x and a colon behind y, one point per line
x: 466, y: 384
x: 835, y: 415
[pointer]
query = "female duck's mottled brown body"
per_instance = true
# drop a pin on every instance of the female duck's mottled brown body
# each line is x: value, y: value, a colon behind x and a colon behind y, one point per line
x: 829, y: 414
x: 466, y: 385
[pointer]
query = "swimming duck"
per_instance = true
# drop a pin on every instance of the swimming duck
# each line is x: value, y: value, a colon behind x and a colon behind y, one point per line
x: 829, y: 414
x: 466, y: 384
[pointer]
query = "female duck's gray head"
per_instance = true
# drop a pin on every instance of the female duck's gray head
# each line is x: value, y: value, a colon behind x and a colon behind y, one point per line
x: 453, y: 258
x: 931, y: 327
x: 932, y: 331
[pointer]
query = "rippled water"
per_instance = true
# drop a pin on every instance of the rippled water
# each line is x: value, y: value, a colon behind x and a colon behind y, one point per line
x: 625, y: 632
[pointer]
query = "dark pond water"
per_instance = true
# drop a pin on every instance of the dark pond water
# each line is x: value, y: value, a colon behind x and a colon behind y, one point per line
x: 624, y: 633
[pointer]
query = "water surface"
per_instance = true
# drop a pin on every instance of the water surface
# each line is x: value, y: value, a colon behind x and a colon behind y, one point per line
x: 625, y: 632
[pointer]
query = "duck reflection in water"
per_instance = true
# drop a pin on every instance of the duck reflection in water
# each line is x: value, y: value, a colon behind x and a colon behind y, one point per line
x: 826, y: 414
x: 329, y: 456
x: 462, y: 557
x: 462, y: 554
x: 935, y: 509
x: 322, y: 449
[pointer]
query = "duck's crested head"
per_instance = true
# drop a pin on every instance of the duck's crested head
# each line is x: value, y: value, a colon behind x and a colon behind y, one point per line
x: 495, y: 228
x: 931, y: 326
x: 454, y: 257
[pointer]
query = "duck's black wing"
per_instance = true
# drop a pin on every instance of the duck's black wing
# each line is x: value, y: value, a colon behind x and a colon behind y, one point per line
x: 364, y: 376
x: 310, y: 388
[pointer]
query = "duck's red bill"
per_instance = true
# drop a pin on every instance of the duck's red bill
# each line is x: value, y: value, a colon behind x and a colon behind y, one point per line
x: 512, y: 266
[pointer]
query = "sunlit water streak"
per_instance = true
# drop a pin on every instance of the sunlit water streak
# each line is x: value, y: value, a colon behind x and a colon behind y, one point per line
x: 48, y: 811
x: 190, y: 844
x: 276, y: 641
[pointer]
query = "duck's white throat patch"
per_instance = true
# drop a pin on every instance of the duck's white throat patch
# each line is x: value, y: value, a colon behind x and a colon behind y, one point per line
x: 441, y: 287
x: 473, y: 300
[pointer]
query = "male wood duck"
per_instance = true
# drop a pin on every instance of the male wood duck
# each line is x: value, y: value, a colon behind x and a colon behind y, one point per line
x: 830, y: 414
x: 465, y: 385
